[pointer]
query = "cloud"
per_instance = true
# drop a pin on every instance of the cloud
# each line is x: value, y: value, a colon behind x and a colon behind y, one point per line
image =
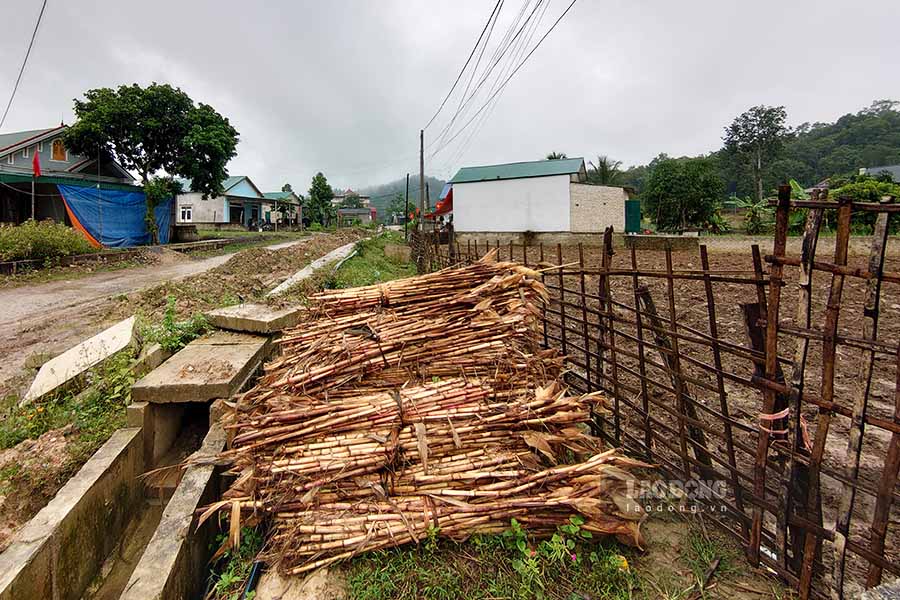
x: 344, y: 87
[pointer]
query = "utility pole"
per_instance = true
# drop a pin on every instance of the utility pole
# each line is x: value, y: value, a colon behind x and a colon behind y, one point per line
x: 421, y: 178
x: 427, y: 196
x: 406, y: 211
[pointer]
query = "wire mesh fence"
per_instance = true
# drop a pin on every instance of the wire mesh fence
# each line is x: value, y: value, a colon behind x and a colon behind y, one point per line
x: 775, y: 374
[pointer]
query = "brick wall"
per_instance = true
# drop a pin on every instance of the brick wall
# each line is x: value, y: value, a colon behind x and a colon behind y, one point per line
x: 595, y: 207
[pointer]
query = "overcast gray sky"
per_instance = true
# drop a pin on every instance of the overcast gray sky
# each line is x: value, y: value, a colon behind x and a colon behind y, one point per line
x: 345, y: 86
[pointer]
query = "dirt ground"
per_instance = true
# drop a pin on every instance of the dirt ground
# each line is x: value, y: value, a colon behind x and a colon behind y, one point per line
x: 51, y: 317
x: 48, y: 318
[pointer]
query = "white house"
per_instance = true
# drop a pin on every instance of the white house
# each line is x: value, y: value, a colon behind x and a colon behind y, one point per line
x: 241, y: 204
x: 544, y: 196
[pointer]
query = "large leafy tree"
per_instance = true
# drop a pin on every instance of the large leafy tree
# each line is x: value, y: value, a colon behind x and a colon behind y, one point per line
x: 757, y: 138
x: 155, y: 128
x: 682, y: 193
x: 605, y: 171
x: 318, y: 206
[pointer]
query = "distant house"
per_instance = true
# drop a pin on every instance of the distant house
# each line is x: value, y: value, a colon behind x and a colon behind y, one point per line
x: 339, y: 198
x: 58, y: 166
x: 536, y: 196
x: 351, y: 216
x: 241, y: 204
x: 287, y: 207
x: 894, y: 171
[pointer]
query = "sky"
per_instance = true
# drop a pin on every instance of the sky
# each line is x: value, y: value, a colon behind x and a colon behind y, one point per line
x: 344, y: 87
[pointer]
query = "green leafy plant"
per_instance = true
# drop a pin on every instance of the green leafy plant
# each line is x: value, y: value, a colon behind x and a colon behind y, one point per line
x: 173, y: 334
x: 41, y: 240
x: 228, y: 583
x: 757, y: 215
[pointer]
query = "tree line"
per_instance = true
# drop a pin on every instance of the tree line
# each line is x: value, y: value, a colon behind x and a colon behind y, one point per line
x: 759, y: 151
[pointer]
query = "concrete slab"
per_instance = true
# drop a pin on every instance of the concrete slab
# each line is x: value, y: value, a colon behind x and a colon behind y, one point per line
x: 61, y: 371
x: 254, y: 318
x: 307, y: 271
x: 211, y: 367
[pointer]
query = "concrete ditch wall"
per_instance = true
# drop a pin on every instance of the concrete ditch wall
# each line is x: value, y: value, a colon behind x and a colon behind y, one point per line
x: 57, y: 554
x: 174, y: 565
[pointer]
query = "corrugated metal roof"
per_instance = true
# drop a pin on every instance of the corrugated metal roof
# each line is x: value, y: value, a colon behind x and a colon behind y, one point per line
x: 519, y: 170
x: 279, y: 195
x: 894, y: 170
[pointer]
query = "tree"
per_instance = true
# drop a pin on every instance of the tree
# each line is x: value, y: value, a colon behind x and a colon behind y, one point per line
x: 682, y: 193
x: 605, y: 171
x: 756, y: 138
x: 556, y: 156
x: 397, y: 206
x: 318, y: 202
x: 287, y: 188
x: 153, y: 129
x: 351, y: 200
x: 156, y: 191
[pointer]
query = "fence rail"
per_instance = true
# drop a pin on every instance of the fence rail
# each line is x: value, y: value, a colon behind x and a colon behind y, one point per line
x: 760, y: 371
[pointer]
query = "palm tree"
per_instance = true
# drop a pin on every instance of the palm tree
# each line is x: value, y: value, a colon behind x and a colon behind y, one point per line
x: 556, y: 156
x: 605, y: 171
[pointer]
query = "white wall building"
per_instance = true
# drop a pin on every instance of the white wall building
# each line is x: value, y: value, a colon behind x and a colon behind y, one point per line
x: 540, y: 196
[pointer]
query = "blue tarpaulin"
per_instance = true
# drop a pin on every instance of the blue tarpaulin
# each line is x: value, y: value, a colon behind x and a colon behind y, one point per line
x: 114, y: 218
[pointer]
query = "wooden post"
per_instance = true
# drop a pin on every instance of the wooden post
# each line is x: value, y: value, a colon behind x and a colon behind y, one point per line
x: 762, y: 452
x: 642, y: 367
x: 668, y: 352
x: 797, y: 481
x: 860, y: 400
x: 829, y: 347
x: 720, y: 385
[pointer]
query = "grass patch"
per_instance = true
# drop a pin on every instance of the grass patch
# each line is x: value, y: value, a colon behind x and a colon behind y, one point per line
x: 95, y: 413
x: 172, y: 334
x: 371, y: 265
x: 570, y: 565
x: 41, y: 240
x: 227, y: 583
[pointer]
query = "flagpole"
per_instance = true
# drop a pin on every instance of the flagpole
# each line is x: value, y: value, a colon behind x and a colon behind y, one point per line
x: 32, y: 196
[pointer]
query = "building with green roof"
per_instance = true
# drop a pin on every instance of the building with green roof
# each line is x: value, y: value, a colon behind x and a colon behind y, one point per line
x: 541, y: 196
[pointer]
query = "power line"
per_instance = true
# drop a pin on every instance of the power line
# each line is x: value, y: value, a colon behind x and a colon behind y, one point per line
x: 502, y: 48
x: 471, y: 54
x: 24, y: 62
x: 511, y: 75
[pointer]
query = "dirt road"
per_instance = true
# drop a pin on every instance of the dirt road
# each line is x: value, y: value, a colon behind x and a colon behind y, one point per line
x: 50, y: 317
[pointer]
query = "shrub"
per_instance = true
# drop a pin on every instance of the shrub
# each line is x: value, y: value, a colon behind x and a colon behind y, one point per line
x: 174, y: 335
x: 44, y: 240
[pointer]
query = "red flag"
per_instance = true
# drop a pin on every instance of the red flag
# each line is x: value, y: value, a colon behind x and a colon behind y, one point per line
x: 36, y: 164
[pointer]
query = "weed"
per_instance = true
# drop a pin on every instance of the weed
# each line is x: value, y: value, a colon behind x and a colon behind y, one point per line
x: 507, y: 565
x: 228, y: 584
x: 701, y: 550
x: 173, y: 335
x: 371, y: 265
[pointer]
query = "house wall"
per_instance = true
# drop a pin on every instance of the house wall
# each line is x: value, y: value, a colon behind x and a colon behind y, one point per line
x: 539, y: 204
x: 243, y: 189
x: 20, y: 163
x: 596, y: 207
x: 211, y: 210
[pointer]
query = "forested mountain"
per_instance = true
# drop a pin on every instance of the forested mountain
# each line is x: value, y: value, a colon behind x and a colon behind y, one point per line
x: 382, y: 195
x: 811, y: 152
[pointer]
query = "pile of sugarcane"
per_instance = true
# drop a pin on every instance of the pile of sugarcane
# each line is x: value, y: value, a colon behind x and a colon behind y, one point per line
x: 423, y: 404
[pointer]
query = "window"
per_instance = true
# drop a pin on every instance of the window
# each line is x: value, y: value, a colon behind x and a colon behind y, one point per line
x: 40, y: 146
x: 58, y: 151
x: 187, y: 214
x: 11, y: 159
x: 25, y: 152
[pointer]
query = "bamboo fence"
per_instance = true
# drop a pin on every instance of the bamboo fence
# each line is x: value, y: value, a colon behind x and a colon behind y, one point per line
x: 776, y: 380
